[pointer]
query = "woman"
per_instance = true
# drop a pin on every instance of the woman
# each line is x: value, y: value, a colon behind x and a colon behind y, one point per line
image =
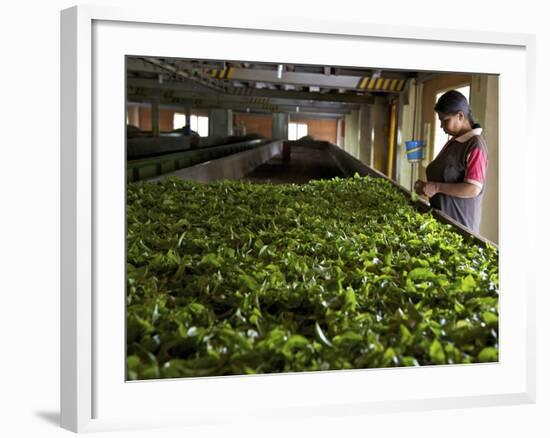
x: 456, y: 177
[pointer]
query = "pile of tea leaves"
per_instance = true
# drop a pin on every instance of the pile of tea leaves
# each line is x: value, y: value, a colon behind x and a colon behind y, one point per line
x: 238, y: 278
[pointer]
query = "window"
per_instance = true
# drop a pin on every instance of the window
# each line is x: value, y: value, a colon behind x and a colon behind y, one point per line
x: 199, y: 124
x: 297, y: 130
x: 178, y: 121
x: 440, y: 137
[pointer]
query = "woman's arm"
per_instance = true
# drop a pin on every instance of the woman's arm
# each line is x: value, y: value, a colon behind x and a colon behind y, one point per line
x: 459, y: 190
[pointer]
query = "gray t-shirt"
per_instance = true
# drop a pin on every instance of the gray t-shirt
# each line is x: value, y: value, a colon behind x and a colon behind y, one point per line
x: 450, y: 166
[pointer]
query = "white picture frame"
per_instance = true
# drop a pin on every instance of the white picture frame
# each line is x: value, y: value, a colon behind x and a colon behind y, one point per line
x: 92, y: 193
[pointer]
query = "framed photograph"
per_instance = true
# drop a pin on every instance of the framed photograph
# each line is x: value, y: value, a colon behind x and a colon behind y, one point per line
x: 147, y: 342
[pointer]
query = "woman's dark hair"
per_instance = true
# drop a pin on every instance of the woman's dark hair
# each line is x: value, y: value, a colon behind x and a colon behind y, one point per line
x: 452, y: 102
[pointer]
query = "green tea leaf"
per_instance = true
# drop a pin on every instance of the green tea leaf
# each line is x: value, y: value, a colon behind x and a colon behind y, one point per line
x: 488, y: 354
x: 421, y: 274
x: 437, y: 355
x: 239, y: 278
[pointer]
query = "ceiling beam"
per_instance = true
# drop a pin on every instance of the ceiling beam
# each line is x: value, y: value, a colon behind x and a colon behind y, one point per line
x: 298, y: 78
x: 230, y: 98
x: 219, y: 100
x: 159, y: 66
x: 222, y: 78
x: 242, y: 106
x: 197, y: 90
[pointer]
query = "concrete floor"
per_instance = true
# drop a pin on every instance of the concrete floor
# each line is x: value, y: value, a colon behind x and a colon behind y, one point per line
x: 307, y: 162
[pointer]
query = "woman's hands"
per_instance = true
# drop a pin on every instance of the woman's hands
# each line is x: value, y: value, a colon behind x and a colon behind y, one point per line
x: 458, y: 190
x: 431, y: 188
x: 419, y: 187
x: 426, y: 188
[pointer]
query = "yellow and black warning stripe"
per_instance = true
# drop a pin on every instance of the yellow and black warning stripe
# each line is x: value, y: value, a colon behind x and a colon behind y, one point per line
x: 363, y: 83
x: 226, y: 73
x: 381, y: 84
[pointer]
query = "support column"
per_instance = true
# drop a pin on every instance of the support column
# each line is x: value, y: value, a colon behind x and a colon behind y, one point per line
x: 155, y: 124
x: 484, y: 98
x: 340, y: 132
x: 366, y: 134
x: 188, y: 115
x: 380, y: 121
x: 391, y: 139
x: 399, y: 141
x: 220, y: 123
x: 351, y: 136
x: 279, y: 129
x: 406, y: 120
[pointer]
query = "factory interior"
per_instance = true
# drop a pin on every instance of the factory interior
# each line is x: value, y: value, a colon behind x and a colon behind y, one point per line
x: 207, y: 120
x: 275, y: 224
